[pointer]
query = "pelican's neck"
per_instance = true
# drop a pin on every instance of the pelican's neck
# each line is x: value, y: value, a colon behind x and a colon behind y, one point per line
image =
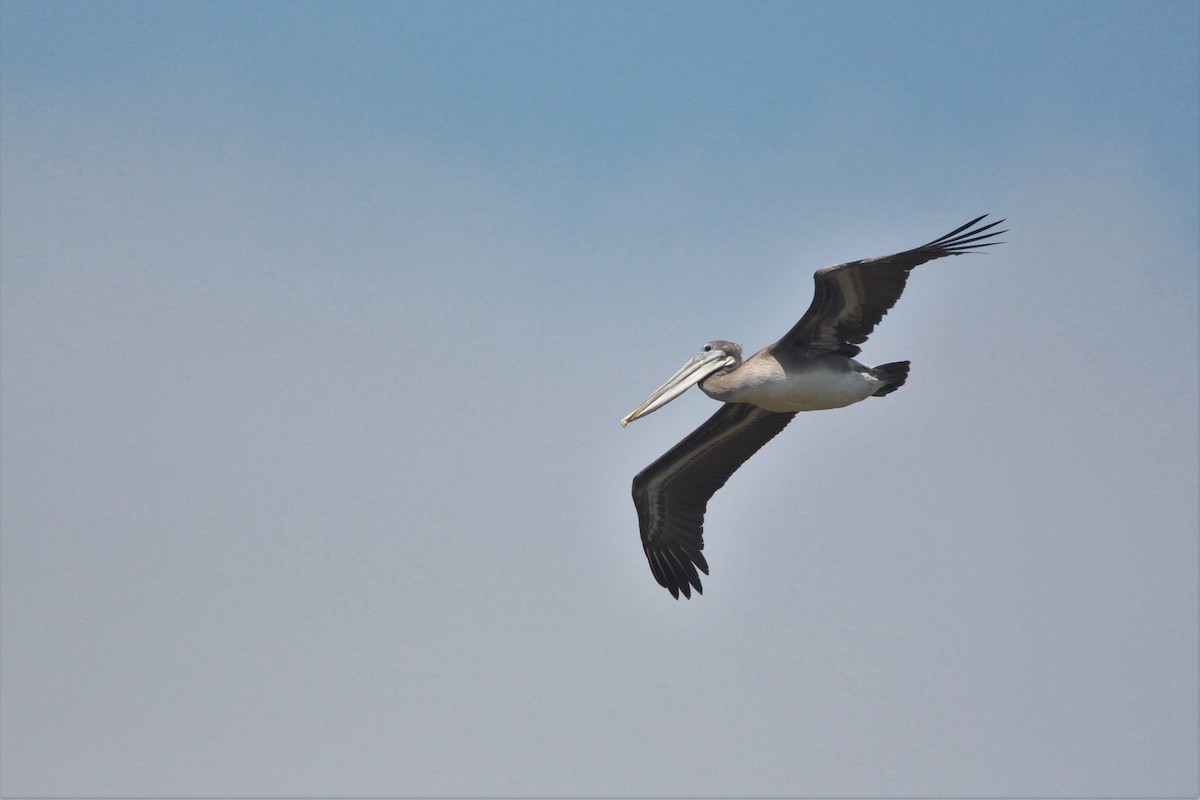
x: 726, y: 383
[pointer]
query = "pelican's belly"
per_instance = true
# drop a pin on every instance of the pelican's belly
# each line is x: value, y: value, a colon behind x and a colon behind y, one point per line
x: 768, y: 385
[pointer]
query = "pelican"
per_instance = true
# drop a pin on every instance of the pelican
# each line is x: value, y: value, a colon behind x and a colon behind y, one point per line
x: 810, y: 369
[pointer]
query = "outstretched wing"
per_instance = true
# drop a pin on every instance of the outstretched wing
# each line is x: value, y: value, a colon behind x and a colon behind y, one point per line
x: 672, y: 494
x: 850, y: 299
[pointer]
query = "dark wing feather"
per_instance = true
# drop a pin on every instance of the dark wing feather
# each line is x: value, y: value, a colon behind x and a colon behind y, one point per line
x: 671, y: 494
x: 850, y: 299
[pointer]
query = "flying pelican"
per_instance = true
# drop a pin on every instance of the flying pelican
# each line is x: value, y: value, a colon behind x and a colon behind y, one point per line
x: 811, y: 368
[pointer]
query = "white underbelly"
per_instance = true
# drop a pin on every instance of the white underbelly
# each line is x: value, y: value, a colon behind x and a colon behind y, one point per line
x: 769, y: 386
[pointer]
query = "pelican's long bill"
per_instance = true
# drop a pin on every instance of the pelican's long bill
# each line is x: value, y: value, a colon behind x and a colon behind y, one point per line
x: 707, y: 361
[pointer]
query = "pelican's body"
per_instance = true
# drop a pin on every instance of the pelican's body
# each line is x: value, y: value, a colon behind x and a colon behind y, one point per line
x: 778, y: 384
x: 811, y: 368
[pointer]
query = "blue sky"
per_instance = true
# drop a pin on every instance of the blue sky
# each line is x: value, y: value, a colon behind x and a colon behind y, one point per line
x: 318, y: 320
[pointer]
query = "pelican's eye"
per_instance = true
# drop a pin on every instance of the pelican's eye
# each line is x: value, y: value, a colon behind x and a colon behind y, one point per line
x: 707, y: 348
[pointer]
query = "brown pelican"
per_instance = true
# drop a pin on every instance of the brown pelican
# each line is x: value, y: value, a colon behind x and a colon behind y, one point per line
x: 811, y: 368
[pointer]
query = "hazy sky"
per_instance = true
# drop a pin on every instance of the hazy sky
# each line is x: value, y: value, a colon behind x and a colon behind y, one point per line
x: 318, y: 319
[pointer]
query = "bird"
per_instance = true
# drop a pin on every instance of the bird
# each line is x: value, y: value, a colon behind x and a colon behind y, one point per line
x: 811, y: 368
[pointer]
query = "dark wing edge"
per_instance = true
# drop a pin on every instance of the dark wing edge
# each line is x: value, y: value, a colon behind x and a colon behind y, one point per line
x: 850, y: 299
x: 671, y: 495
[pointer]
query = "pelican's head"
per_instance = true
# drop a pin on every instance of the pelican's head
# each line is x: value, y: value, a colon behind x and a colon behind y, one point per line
x: 710, y: 359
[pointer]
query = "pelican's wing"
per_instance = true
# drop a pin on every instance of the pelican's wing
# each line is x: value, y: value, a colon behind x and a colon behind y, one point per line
x: 850, y: 299
x: 672, y: 494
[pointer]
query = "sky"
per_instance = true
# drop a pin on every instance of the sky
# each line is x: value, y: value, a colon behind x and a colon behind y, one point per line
x: 317, y: 321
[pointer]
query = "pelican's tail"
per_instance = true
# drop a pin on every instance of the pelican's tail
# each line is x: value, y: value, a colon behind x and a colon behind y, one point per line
x: 895, y: 374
